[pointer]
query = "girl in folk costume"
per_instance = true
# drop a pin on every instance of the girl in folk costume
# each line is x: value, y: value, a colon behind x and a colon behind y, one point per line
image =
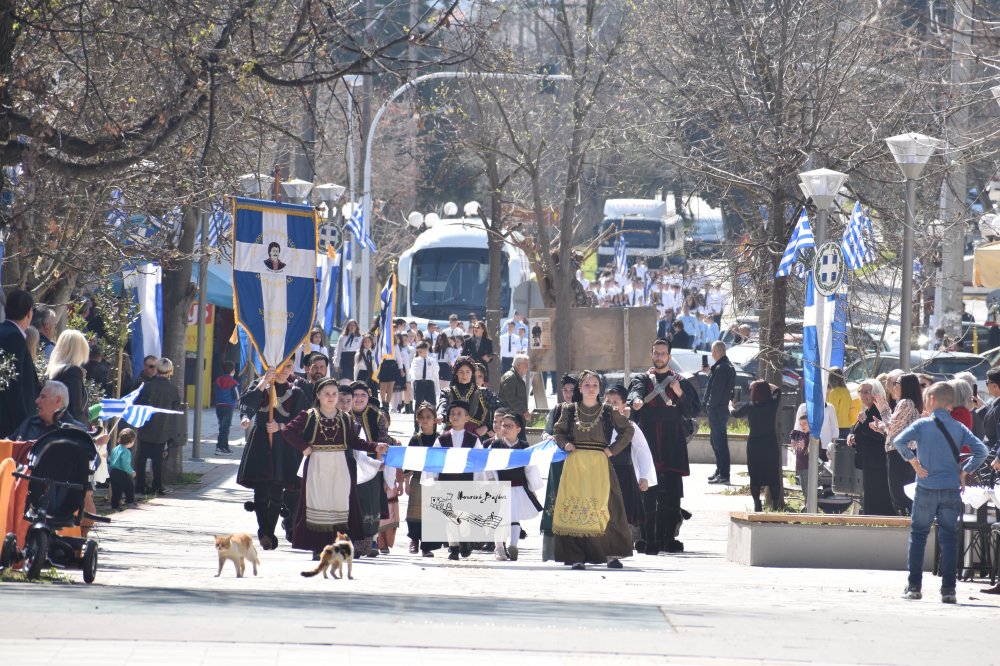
x: 328, y: 502
x: 269, y: 464
x: 463, y: 389
x: 426, y: 436
x: 569, y: 389
x: 459, y: 437
x: 589, y: 522
x: 374, y: 427
x: 524, y: 481
x: 635, y: 469
x: 490, y: 399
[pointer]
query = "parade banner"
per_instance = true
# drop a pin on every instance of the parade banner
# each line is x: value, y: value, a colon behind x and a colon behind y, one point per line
x: 454, y: 461
x: 145, y: 284
x: 274, y: 275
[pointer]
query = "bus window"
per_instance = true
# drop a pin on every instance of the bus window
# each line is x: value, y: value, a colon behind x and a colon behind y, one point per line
x: 445, y: 281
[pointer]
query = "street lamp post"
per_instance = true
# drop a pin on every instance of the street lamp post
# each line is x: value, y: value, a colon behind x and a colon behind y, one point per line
x: 822, y: 186
x: 911, y: 152
x: 364, y: 311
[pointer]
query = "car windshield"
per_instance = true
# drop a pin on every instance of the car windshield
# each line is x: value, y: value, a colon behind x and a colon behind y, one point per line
x: 447, y: 280
x: 708, y: 230
x: 638, y: 232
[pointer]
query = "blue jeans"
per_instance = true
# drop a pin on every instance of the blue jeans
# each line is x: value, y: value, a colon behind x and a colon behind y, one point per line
x: 946, y: 506
x: 718, y: 420
x: 225, y: 416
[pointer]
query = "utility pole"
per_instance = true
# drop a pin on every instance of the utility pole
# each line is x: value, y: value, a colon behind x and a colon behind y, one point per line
x: 953, y: 213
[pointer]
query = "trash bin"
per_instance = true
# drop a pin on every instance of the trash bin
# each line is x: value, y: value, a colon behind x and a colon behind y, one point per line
x: 846, y: 477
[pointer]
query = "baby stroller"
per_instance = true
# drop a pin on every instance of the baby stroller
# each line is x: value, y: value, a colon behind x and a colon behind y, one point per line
x: 61, y: 464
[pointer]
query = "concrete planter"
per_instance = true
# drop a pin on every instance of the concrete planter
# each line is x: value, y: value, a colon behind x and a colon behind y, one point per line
x: 822, y: 541
x: 700, y: 450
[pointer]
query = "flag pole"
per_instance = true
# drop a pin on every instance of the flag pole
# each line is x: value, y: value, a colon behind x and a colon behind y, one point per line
x: 199, y: 383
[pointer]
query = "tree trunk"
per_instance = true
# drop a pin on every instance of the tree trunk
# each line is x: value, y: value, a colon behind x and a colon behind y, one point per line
x: 178, y: 295
x: 774, y: 293
x: 494, y: 242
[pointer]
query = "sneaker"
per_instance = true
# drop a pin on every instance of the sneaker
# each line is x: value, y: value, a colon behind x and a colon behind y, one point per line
x: 714, y: 476
x: 720, y: 481
x: 913, y: 594
x: 948, y: 597
x: 384, y: 551
x: 221, y: 452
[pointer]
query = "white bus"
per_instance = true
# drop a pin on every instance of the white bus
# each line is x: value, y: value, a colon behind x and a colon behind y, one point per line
x: 446, y: 272
x: 650, y: 231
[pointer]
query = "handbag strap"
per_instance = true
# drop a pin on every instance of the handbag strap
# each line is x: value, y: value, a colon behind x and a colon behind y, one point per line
x: 951, y: 442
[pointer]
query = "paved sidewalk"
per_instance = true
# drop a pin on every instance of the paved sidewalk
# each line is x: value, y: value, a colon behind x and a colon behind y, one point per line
x: 157, y: 592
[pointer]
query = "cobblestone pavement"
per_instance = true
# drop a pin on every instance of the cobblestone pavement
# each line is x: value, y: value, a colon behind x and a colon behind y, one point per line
x: 157, y: 600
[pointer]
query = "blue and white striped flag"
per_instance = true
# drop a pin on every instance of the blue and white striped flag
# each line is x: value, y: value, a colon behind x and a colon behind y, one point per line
x: 857, y: 240
x: 801, y: 240
x: 146, y: 284
x: 359, y: 228
x: 346, y: 281
x: 274, y: 275
x: 219, y: 222
x: 817, y: 347
x: 327, y: 284
x: 450, y: 460
x: 385, y: 339
x: 124, y: 408
x: 621, y: 257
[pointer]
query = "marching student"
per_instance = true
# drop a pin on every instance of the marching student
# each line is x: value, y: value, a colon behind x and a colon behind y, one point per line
x: 424, y: 372
x: 426, y: 436
x: 524, y: 481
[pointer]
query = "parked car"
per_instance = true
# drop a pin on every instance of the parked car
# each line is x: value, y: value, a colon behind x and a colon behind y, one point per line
x: 940, y: 365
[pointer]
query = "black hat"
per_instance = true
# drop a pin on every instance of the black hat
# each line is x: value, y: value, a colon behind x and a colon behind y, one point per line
x: 619, y: 390
x: 361, y: 386
x: 322, y: 384
x: 459, y: 403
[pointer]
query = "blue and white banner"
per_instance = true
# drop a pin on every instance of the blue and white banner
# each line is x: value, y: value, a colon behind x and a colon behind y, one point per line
x: 274, y: 275
x: 802, y: 239
x: 124, y: 408
x: 454, y: 461
x: 145, y: 282
x: 817, y: 346
x: 384, y: 338
x: 328, y: 282
x: 857, y: 242
x: 346, y: 281
x: 359, y: 227
x: 621, y: 257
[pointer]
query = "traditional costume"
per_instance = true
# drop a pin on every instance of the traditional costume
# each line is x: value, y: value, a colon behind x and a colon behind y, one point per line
x: 463, y: 440
x: 269, y: 465
x: 375, y: 427
x: 660, y: 420
x: 328, y: 502
x: 479, y: 402
x: 413, y: 516
x: 589, y: 520
x: 524, y: 481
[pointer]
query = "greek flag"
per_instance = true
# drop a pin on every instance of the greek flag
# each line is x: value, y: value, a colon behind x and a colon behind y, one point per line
x: 621, y: 257
x: 384, y: 342
x: 857, y: 239
x: 146, y: 284
x: 454, y: 461
x: 124, y: 408
x: 801, y: 240
x: 274, y: 275
x: 359, y: 229
x: 327, y: 283
x: 346, y: 280
x: 219, y: 222
x: 817, y: 348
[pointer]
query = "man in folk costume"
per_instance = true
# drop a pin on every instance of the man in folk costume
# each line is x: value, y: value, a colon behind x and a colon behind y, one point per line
x: 269, y: 466
x: 374, y: 426
x: 662, y: 403
x: 463, y: 389
x: 458, y: 437
x: 328, y: 503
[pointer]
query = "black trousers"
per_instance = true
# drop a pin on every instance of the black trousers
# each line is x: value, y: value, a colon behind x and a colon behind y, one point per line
x: 154, y: 452
x: 424, y: 390
x: 900, y: 473
x: 662, y: 504
x: 121, y: 485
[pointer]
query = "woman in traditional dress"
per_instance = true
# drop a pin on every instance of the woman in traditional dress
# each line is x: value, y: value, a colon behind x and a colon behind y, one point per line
x: 269, y: 465
x: 524, y: 481
x: 763, y: 451
x: 463, y: 389
x: 375, y: 427
x: 426, y: 437
x: 569, y: 389
x: 589, y: 522
x: 328, y: 502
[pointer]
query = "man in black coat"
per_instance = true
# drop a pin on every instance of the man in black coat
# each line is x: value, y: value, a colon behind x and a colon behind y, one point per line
x: 718, y: 394
x: 680, y: 339
x: 661, y: 401
x: 17, y: 400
